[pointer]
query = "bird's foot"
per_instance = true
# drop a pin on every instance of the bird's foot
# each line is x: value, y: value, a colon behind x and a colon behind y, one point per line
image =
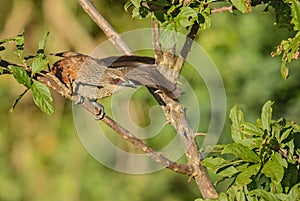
x: 99, y: 110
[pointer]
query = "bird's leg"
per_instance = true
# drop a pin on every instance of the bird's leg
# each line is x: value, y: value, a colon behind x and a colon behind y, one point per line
x: 99, y: 109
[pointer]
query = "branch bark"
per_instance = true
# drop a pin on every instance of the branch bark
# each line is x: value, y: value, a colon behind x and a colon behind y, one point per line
x: 174, y: 111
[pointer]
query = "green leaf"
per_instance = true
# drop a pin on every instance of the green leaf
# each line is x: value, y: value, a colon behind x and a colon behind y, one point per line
x: 266, y: 116
x: 214, y: 163
x: 241, y: 152
x: 274, y: 170
x: 168, y: 35
x: 264, y: 195
x: 244, y: 177
x: 39, y: 64
x: 295, y: 9
x: 284, y: 71
x: 251, y: 143
x: 277, y: 157
x: 251, y: 129
x: 186, y: 17
x: 42, y: 44
x: 228, y: 172
x: 21, y: 75
x: 241, y: 5
x: 237, y: 118
x: 294, y: 193
x: 19, y: 40
x: 42, y: 97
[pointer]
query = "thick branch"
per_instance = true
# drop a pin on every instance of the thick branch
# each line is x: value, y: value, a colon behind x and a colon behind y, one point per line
x: 175, y: 114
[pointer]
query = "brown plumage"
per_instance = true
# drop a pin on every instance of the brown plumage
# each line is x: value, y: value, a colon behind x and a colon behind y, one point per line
x: 94, y: 78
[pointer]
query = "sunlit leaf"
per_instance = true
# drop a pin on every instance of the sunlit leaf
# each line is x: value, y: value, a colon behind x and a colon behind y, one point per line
x: 42, y: 44
x: 274, y: 170
x: 39, y: 64
x: 244, y: 177
x: 241, y: 5
x: 21, y: 75
x: 266, y: 115
x: 186, y: 17
x: 42, y: 97
x: 241, y: 152
x: 237, y: 118
x: 294, y: 193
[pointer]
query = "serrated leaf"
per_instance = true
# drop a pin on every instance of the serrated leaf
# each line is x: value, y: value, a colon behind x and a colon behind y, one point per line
x: 266, y: 116
x: 241, y: 152
x: 273, y: 170
x: 237, y: 118
x: 42, y: 44
x: 21, y: 75
x: 42, y: 97
x: 39, y: 64
x: 241, y: 5
x: 244, y: 177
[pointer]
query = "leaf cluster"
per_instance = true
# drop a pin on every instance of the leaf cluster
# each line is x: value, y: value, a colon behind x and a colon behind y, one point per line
x: 288, y: 15
x: 25, y: 72
x: 263, y: 161
x: 177, y: 15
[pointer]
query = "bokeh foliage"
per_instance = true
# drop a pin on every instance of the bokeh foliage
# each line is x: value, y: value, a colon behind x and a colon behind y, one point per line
x: 42, y: 157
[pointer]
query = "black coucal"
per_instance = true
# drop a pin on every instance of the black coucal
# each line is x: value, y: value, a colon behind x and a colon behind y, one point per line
x: 94, y: 78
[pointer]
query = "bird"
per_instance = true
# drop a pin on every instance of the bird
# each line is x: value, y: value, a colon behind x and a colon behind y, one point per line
x: 94, y: 78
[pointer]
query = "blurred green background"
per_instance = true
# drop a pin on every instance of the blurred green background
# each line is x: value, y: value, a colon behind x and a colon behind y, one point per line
x: 42, y: 158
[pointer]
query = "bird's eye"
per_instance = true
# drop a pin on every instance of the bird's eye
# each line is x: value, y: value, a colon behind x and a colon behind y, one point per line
x: 117, y: 80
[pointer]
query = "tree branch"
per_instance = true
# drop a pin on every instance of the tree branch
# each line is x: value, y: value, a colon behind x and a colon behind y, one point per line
x: 109, y: 31
x: 219, y: 10
x: 55, y: 84
x: 174, y: 111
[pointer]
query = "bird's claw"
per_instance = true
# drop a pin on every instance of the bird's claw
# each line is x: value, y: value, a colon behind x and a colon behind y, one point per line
x: 99, y: 110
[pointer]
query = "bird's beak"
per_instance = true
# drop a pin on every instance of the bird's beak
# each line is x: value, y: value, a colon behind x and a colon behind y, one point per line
x: 128, y: 83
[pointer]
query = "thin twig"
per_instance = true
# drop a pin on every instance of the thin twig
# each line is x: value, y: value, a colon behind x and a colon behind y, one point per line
x: 186, y: 47
x: 219, y: 10
x: 105, y: 26
x: 155, y: 41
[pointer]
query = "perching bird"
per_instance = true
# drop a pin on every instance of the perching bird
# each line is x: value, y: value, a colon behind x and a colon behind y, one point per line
x: 94, y: 78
